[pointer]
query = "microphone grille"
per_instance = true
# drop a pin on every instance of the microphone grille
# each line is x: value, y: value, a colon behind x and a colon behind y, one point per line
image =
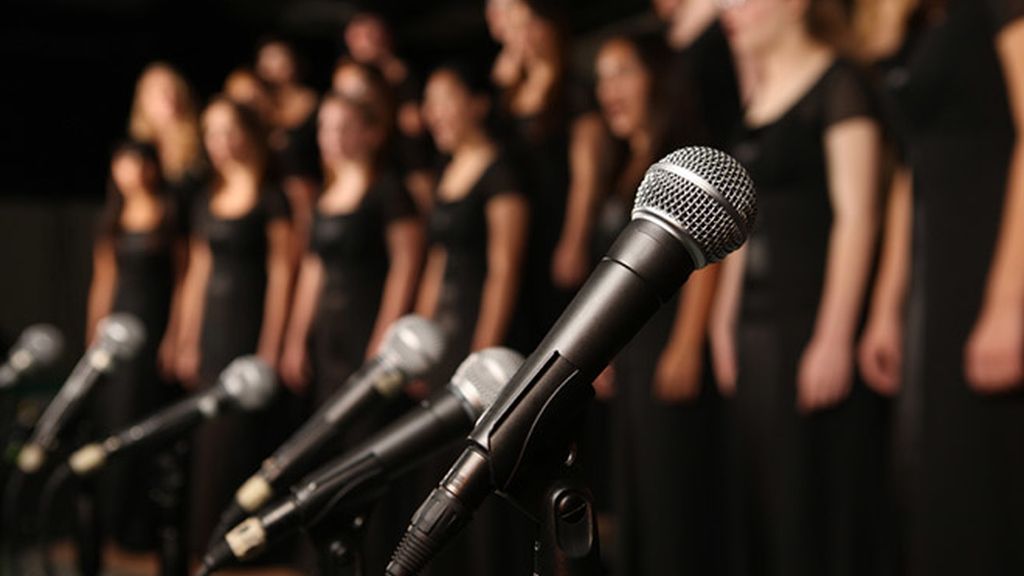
x: 43, y: 342
x: 123, y: 334
x: 249, y: 382
x: 414, y: 344
x: 482, y: 376
x: 704, y: 197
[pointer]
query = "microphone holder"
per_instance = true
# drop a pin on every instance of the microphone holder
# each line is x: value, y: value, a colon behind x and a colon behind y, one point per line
x: 568, y: 542
x: 340, y: 546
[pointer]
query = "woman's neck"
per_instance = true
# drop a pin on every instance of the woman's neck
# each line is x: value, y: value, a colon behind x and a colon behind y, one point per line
x: 641, y: 144
x: 239, y: 175
x: 474, y: 142
x: 791, y: 52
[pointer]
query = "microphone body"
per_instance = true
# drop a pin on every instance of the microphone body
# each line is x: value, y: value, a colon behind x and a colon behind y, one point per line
x: 411, y: 348
x: 38, y: 346
x: 247, y: 383
x: 119, y: 338
x: 681, y: 222
x: 355, y: 480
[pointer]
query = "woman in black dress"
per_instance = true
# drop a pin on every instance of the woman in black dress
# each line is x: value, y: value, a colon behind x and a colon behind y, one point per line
x: 134, y: 271
x: 662, y: 411
x: 810, y: 435
x: 365, y: 253
x: 164, y: 114
x: 478, y: 230
x: 236, y: 301
x: 951, y: 340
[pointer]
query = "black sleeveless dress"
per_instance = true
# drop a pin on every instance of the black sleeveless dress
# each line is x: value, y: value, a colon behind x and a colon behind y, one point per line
x: 960, y: 453
x: 145, y: 281
x: 810, y: 485
x: 230, y: 448
x: 499, y: 540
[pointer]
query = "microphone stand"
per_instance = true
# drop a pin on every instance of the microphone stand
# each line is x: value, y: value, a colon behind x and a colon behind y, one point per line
x: 168, y: 496
x: 340, y: 547
x: 568, y: 542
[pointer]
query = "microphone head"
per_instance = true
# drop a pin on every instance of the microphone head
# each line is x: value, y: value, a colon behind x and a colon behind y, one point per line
x: 39, y: 345
x: 249, y: 382
x: 481, y: 377
x: 121, y: 334
x: 704, y: 197
x: 413, y: 345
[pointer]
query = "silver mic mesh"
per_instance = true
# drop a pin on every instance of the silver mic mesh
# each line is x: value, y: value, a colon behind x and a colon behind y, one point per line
x: 413, y: 345
x: 42, y: 342
x: 481, y: 377
x: 704, y: 196
x: 122, y: 334
x: 249, y: 382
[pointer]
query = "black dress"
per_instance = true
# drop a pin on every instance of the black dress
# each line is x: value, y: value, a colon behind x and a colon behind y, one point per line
x: 145, y: 281
x: 353, y: 249
x: 810, y: 488
x: 962, y: 451
x: 230, y: 448
x: 499, y: 540
x: 295, y: 152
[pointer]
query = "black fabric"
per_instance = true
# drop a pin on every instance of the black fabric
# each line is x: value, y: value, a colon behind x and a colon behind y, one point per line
x: 295, y: 151
x: 228, y: 449
x: 809, y: 488
x: 960, y: 461
x: 145, y: 279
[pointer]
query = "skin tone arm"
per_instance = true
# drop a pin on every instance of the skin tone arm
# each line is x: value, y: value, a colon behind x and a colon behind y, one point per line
x: 430, y: 287
x: 507, y: 217
x: 571, y: 262
x: 104, y: 281
x: 294, y: 358
x: 167, y: 354
x: 724, y: 312
x: 200, y: 264
x: 881, y: 348
x: 405, y: 240
x: 825, y: 374
x: 994, y: 355
x: 279, y: 274
x: 678, y: 375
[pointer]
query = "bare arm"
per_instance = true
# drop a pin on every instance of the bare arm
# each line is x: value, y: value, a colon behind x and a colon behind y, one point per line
x: 279, y: 277
x: 104, y: 283
x: 678, y: 375
x: 852, y: 155
x: 168, y: 352
x: 994, y: 357
x: 200, y: 264
x: 294, y: 358
x: 507, y: 217
x: 586, y: 147
x: 430, y: 285
x: 724, y: 314
x: 405, y: 252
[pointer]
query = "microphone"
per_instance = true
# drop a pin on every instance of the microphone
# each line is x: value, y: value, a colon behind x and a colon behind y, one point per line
x: 692, y: 208
x: 246, y: 384
x: 411, y: 348
x: 119, y: 337
x: 39, y: 346
x: 356, y: 479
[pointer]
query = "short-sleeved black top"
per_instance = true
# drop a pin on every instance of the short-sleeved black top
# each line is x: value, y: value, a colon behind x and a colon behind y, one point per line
x: 786, y: 159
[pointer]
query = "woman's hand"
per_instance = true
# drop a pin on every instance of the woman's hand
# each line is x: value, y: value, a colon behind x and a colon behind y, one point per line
x: 723, y: 361
x: 604, y: 384
x: 569, y: 265
x: 994, y: 354
x: 187, y: 366
x: 825, y: 374
x: 166, y: 358
x: 677, y: 378
x: 295, y: 371
x: 881, y: 353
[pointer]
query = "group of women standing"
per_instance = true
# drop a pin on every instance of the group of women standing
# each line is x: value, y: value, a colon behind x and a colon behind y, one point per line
x: 749, y: 429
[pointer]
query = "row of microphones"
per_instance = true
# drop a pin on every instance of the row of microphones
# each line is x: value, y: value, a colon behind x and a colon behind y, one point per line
x: 353, y: 481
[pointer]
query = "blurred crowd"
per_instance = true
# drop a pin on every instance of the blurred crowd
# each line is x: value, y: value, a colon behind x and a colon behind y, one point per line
x: 841, y: 396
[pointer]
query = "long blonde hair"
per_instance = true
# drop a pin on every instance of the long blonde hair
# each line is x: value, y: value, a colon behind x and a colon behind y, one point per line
x: 180, y: 151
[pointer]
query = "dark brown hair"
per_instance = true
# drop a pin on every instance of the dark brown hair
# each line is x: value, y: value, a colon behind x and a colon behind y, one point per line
x: 110, y: 219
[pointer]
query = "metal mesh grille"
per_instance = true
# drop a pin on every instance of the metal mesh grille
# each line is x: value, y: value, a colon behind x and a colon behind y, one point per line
x: 122, y: 334
x: 42, y: 342
x: 482, y: 376
x: 414, y: 344
x: 249, y: 381
x: 683, y: 200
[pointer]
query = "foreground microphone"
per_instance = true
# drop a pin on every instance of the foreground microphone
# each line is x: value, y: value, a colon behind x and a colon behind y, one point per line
x: 356, y: 479
x: 411, y: 348
x: 118, y: 338
x: 39, y: 346
x: 693, y: 207
x: 246, y: 384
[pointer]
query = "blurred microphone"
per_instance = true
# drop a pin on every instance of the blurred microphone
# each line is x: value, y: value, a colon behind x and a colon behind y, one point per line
x: 246, y: 384
x: 39, y: 346
x: 693, y: 207
x: 118, y: 338
x: 411, y: 348
x: 356, y: 479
